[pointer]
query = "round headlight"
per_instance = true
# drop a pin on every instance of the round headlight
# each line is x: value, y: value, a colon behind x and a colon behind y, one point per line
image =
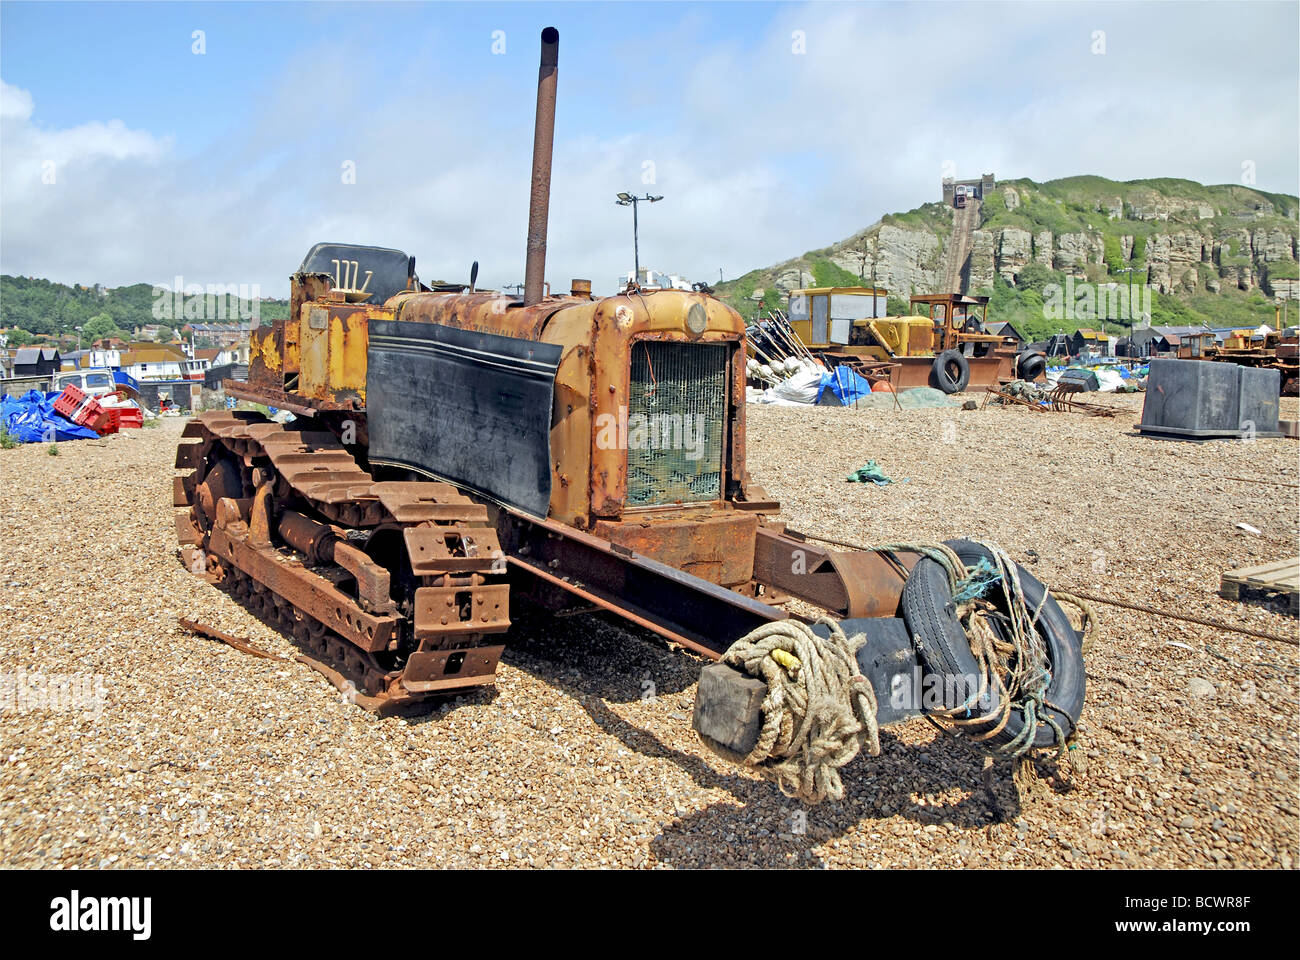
x: 697, y: 319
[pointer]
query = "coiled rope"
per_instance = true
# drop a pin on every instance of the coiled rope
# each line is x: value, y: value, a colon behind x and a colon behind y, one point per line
x: 819, y: 710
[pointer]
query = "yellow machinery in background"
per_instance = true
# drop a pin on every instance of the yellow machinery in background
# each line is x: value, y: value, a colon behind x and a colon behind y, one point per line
x: 942, y: 343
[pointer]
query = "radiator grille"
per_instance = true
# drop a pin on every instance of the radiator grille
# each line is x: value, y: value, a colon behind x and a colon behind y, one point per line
x: 676, y: 417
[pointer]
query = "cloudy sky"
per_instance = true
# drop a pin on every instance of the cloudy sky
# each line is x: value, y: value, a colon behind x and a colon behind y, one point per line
x: 769, y: 129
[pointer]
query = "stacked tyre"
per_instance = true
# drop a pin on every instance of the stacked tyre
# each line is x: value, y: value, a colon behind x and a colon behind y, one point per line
x: 951, y: 371
x: 945, y: 652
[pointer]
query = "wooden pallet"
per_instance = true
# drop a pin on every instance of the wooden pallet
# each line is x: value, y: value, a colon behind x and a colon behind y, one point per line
x: 1280, y: 576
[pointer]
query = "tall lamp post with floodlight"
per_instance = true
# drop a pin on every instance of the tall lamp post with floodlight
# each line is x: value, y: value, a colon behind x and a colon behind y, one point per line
x: 631, y: 200
x: 1132, y: 313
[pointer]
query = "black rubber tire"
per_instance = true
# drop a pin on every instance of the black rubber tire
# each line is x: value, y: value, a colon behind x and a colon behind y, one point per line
x: 942, y: 371
x: 943, y: 648
x: 1030, y: 365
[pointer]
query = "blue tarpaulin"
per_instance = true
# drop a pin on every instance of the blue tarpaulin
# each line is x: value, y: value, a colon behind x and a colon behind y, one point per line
x: 845, y: 384
x: 31, y: 419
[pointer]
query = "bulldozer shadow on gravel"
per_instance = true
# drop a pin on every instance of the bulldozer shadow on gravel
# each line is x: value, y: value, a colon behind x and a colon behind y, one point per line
x: 914, y: 783
x: 598, y: 663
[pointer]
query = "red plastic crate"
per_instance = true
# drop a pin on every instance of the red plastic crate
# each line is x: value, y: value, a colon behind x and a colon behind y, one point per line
x: 121, y: 418
x: 81, y: 409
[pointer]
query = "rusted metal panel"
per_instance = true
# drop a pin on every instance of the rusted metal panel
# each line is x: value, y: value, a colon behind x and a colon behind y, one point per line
x: 419, y: 502
x: 714, y: 546
x: 466, y: 406
x: 265, y: 364
x: 181, y: 496
x: 457, y: 611
x: 592, y: 380
x: 486, y: 312
x: 619, y: 323
x: 373, y: 581
x: 435, y: 550
x: 850, y: 584
x: 571, y: 421
x: 333, y: 339
x: 188, y: 455
x: 429, y: 671
x: 292, y: 359
x: 186, y: 533
x: 686, y: 609
x: 272, y: 396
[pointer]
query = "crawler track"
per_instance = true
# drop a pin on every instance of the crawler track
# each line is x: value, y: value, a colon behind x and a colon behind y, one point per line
x: 392, y: 589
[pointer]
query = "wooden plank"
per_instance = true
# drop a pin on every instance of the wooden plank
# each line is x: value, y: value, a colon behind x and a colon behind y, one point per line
x: 1276, y: 577
x: 729, y: 707
x: 1280, y: 576
x: 1264, y: 572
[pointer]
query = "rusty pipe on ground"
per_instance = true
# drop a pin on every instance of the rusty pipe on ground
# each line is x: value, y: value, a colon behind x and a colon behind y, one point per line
x: 543, y: 143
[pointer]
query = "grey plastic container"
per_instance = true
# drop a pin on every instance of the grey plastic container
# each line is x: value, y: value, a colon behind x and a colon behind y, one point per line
x: 1202, y: 398
x: 1259, y: 405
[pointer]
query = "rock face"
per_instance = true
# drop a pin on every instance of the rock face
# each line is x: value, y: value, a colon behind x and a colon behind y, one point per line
x: 1173, y: 260
x: 1043, y: 247
x: 788, y: 280
x: 1015, y: 250
x: 1271, y: 245
x: 1074, y: 251
x: 905, y: 260
x: 1287, y: 289
x: 1238, y: 239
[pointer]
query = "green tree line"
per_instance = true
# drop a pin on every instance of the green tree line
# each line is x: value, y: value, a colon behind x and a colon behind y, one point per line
x: 33, y: 308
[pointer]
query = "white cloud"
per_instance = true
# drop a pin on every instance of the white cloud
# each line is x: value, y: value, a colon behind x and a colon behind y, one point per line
x: 15, y: 103
x: 760, y: 153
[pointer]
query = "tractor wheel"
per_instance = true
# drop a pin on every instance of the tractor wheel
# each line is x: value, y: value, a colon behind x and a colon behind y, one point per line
x: 951, y: 371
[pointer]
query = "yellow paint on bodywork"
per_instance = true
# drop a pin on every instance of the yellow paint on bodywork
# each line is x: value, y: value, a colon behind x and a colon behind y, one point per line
x: 904, y: 336
x: 332, y: 344
x: 349, y: 339
x: 267, y: 351
x: 290, y: 349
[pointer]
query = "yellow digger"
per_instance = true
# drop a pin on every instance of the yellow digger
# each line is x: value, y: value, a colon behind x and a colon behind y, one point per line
x: 942, y: 343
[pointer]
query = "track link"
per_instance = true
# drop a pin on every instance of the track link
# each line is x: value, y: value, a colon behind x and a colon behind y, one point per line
x: 391, y: 589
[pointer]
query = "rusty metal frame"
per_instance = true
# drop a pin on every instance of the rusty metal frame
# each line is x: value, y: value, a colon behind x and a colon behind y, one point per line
x: 699, y: 615
x: 307, y: 591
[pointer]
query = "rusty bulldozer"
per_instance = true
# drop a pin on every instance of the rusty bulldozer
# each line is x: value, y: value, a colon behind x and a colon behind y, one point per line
x: 454, y: 451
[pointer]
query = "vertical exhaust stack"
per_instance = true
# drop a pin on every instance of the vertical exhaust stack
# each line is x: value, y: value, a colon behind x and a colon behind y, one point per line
x: 543, y: 143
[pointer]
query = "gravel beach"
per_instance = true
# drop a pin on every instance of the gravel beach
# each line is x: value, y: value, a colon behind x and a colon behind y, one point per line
x: 187, y: 752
